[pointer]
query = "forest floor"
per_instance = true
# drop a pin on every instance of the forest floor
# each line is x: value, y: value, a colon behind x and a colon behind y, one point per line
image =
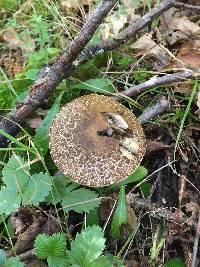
x: 142, y: 53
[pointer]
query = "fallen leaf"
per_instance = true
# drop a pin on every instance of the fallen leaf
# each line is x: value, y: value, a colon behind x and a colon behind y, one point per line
x: 188, y: 54
x: 132, y: 263
x: 35, y: 123
x: 175, y: 28
x: 11, y: 36
x: 193, y: 208
x: 184, y: 25
x: 131, y: 220
x: 36, y: 263
x: 146, y: 46
x: 114, y: 24
x: 153, y: 145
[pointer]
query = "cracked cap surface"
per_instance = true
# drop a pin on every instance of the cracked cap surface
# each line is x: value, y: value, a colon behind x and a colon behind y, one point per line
x: 90, y: 158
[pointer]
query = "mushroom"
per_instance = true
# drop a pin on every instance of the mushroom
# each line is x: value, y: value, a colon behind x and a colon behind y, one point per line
x: 96, y: 141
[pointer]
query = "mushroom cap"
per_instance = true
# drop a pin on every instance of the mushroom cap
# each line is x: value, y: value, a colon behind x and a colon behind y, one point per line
x: 90, y: 141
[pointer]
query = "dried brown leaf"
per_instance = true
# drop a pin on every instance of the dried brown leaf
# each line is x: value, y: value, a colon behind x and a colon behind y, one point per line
x: 146, y: 46
x: 153, y: 145
x: 131, y: 220
x: 35, y: 123
x: 184, y: 25
x: 188, y: 54
x: 11, y: 36
x: 36, y: 263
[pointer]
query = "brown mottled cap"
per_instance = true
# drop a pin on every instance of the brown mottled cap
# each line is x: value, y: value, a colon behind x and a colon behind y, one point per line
x: 96, y: 141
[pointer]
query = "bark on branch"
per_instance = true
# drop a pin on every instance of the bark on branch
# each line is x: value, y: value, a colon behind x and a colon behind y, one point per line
x: 160, y: 81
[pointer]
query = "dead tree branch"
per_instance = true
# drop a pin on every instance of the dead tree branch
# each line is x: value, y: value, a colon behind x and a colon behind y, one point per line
x: 183, y: 5
x: 160, y: 81
x: 126, y: 34
x: 52, y: 75
x: 196, y: 244
x: 151, y: 112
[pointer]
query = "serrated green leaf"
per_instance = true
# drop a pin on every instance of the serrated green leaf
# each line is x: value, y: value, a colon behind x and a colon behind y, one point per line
x: 50, y: 246
x: 58, y: 261
x: 71, y: 187
x: 2, y: 256
x: 80, y: 200
x: 176, y: 262
x: 101, y: 262
x: 9, y: 201
x: 58, y: 189
x: 37, y: 188
x: 136, y: 176
x: 87, y: 246
x: 15, y: 173
x: 41, y: 138
x: 96, y: 85
x: 93, y: 217
x: 120, y: 215
x: 13, y: 262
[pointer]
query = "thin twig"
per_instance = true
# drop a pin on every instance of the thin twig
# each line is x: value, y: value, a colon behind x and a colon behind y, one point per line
x: 196, y: 244
x: 151, y: 112
x: 183, y: 5
x: 29, y: 254
x: 160, y: 81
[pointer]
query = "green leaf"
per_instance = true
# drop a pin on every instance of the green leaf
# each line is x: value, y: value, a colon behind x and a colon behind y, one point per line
x: 58, y: 189
x: 2, y: 256
x: 87, y: 246
x: 21, y: 97
x: 145, y: 189
x: 120, y: 215
x: 176, y: 262
x: 80, y: 200
x: 50, y: 246
x: 37, y: 188
x: 16, y: 173
x: 101, y: 262
x: 93, y: 217
x: 96, y: 85
x: 41, y: 138
x: 13, y: 262
x: 136, y: 176
x: 32, y: 74
x: 9, y: 201
x: 57, y: 261
x: 37, y: 59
